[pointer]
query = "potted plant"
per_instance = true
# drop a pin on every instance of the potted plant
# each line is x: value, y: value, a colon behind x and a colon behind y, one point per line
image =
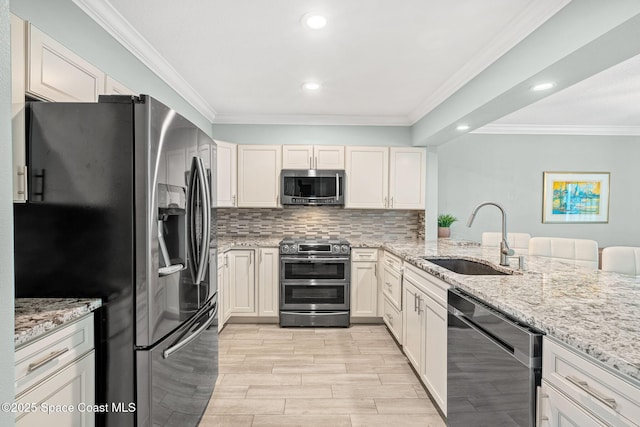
x: 444, y: 222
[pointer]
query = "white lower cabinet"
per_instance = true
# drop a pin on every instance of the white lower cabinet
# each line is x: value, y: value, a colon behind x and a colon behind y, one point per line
x: 578, y: 391
x: 57, y: 370
x: 393, y: 319
x: 242, y: 282
x: 364, y: 283
x: 268, y: 282
x: 424, y: 330
x: 558, y: 410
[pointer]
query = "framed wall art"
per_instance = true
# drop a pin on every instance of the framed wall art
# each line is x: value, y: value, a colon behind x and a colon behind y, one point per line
x: 575, y: 197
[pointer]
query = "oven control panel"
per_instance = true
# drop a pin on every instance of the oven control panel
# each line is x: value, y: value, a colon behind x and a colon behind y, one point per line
x: 315, y: 247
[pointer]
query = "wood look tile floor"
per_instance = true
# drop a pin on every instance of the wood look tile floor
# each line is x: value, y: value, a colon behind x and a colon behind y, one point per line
x: 315, y: 377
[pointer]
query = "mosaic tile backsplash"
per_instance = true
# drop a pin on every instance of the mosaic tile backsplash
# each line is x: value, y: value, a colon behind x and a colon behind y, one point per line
x: 320, y: 222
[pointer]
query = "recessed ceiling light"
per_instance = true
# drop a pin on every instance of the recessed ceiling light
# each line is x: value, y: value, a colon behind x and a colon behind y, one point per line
x: 314, y: 21
x: 311, y: 86
x: 463, y: 127
x: 543, y: 86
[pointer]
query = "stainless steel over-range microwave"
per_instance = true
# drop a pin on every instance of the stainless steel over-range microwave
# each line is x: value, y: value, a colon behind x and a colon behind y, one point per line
x: 312, y: 187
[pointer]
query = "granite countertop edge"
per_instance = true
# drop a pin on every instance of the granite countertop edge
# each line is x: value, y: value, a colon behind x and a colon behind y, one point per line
x: 554, y: 288
x: 35, y: 317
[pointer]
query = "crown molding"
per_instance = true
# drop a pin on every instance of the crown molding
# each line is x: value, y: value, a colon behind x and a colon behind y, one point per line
x: 499, y: 129
x: 532, y: 17
x: 105, y: 15
x: 311, y: 119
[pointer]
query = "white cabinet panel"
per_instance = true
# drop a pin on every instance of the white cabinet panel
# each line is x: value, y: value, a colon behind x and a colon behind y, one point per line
x: 393, y: 319
x: 364, y: 289
x: 258, y: 175
x: 73, y: 386
x: 226, y: 174
x: 242, y: 281
x: 434, y: 365
x: 18, y: 87
x: 412, y: 325
x: 367, y: 170
x: 57, y: 74
x: 407, y: 177
x: 328, y: 157
x: 557, y: 410
x: 268, y: 282
x: 226, y: 306
x: 297, y: 156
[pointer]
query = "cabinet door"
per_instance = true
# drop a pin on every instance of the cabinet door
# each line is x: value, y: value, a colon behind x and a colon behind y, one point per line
x: 73, y: 386
x: 57, y: 74
x: 258, y: 175
x: 221, y: 296
x: 328, y: 157
x: 226, y: 290
x: 434, y: 372
x: 18, y: 70
x: 412, y: 325
x: 226, y: 174
x: 367, y: 171
x: 242, y: 281
x: 114, y: 87
x: 557, y: 410
x: 407, y: 177
x: 364, y: 289
x: 268, y: 282
x: 392, y: 286
x: 297, y: 157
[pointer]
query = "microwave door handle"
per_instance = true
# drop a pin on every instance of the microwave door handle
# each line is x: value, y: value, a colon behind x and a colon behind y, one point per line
x: 191, y: 229
x: 337, y: 187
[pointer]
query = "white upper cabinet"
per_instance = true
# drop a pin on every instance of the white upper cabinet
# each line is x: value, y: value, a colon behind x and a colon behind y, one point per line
x: 114, y: 87
x: 407, y: 177
x: 57, y: 74
x: 227, y: 183
x: 258, y: 175
x: 312, y: 157
x: 18, y: 72
x: 367, y: 170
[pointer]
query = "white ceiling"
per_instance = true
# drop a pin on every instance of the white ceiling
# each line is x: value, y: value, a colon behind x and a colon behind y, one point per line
x: 607, y: 103
x: 380, y: 62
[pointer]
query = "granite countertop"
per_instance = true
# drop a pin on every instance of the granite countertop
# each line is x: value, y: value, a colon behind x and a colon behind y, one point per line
x: 36, y: 316
x: 593, y: 311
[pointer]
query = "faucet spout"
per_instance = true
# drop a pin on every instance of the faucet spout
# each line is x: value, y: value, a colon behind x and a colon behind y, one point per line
x: 505, y: 250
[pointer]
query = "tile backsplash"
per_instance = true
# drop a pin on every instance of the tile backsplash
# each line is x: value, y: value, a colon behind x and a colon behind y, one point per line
x: 321, y: 222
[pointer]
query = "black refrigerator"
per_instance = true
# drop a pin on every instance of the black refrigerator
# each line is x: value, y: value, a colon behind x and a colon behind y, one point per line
x: 119, y: 208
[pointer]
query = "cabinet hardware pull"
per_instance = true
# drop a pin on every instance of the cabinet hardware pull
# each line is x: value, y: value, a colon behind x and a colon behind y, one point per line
x: 53, y: 355
x: 233, y: 202
x: 385, y: 202
x: 392, y: 202
x: 420, y: 310
x: 22, y: 180
x: 583, y: 385
x: 415, y: 302
x: 375, y: 270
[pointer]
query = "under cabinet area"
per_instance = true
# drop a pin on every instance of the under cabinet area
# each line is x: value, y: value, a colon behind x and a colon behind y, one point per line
x: 57, y: 369
x: 576, y: 390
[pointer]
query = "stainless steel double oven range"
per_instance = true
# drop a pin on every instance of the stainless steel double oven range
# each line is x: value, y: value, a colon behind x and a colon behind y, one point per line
x: 315, y: 280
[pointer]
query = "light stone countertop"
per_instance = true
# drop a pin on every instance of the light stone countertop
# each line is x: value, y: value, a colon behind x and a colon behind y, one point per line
x: 36, y: 316
x: 595, y: 312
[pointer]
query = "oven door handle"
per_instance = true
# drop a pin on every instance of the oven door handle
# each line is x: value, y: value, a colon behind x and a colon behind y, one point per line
x: 311, y: 260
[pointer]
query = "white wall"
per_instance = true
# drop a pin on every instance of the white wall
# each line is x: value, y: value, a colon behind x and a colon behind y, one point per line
x: 508, y: 169
x: 65, y: 22
x: 311, y: 134
x: 6, y: 221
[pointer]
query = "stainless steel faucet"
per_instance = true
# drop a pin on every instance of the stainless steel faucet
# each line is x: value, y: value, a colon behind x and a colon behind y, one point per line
x: 505, y: 250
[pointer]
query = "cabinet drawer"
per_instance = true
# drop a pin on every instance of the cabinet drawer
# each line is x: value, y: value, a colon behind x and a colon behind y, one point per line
x: 392, y: 261
x: 364, y: 254
x: 392, y: 286
x: 432, y: 286
x: 393, y: 319
x: 595, y: 388
x: 557, y: 410
x: 39, y: 359
x: 71, y: 387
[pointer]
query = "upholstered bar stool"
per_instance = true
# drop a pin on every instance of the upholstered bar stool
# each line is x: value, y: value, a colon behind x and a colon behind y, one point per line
x: 580, y: 251
x: 621, y: 259
x: 519, y: 242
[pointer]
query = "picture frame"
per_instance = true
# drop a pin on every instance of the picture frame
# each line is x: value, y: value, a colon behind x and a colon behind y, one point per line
x: 575, y: 197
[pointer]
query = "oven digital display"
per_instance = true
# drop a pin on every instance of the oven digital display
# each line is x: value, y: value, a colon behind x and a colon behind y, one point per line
x: 314, y: 248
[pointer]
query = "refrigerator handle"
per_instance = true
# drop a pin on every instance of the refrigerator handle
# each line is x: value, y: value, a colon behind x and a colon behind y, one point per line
x: 191, y: 223
x: 205, y: 193
x: 176, y: 347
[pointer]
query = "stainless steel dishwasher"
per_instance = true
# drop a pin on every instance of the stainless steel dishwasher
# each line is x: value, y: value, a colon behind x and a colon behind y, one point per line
x: 493, y: 366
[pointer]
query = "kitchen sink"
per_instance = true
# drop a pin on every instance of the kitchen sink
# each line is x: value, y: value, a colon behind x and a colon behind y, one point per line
x: 465, y: 266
